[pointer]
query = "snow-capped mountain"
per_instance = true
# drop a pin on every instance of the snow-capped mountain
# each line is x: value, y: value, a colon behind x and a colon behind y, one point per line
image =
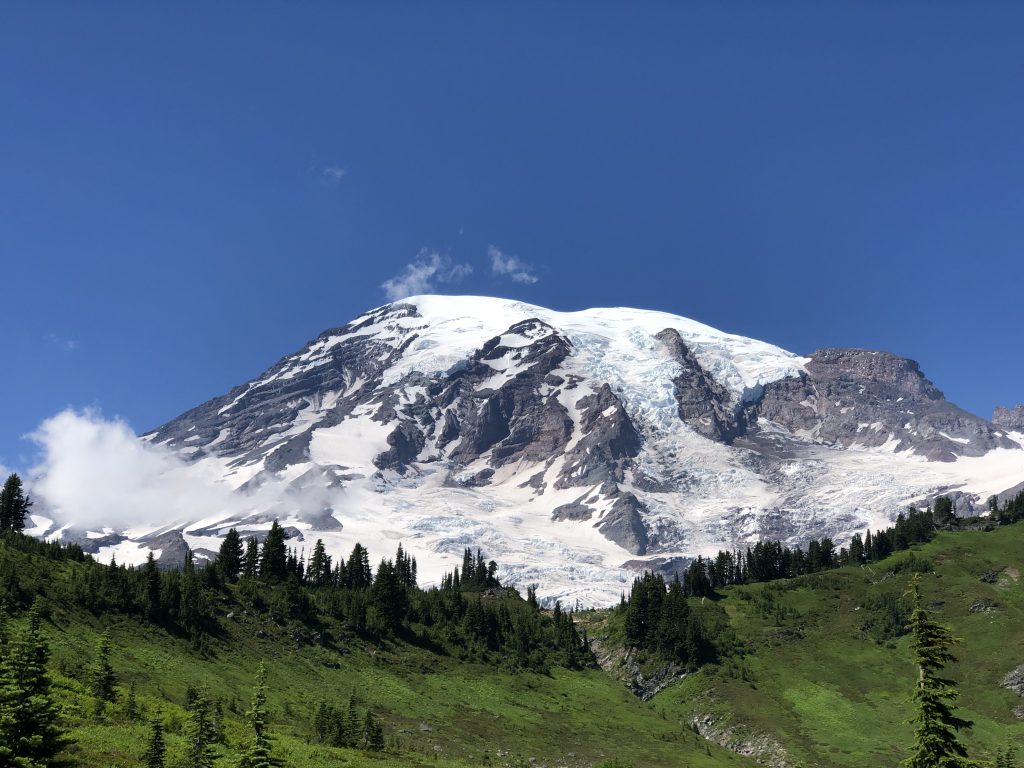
x: 575, y: 447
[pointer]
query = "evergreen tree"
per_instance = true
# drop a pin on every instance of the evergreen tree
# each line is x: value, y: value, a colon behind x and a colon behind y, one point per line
x: 937, y: 744
x: 151, y: 577
x: 319, y: 571
x: 251, y: 559
x: 229, y: 559
x: 131, y: 704
x: 101, y: 678
x: 29, y: 735
x: 155, y: 748
x: 373, y: 733
x: 200, y: 735
x: 274, y: 559
x: 14, y: 505
x: 257, y: 754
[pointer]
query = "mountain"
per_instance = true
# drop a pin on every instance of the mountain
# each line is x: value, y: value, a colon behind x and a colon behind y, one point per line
x: 573, y: 447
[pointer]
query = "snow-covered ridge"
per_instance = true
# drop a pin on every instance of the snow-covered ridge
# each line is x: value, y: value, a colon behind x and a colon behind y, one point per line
x: 574, y: 447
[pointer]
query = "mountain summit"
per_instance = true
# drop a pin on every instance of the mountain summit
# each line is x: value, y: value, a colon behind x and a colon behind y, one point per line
x: 577, y: 447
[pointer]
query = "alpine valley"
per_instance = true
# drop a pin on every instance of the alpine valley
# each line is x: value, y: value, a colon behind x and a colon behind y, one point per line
x: 576, y: 448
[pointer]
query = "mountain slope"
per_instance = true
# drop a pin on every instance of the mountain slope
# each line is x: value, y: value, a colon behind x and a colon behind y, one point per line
x: 574, y: 447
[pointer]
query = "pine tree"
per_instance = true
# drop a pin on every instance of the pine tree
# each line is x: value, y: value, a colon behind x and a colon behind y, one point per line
x: 29, y: 734
x: 937, y: 744
x: 155, y: 748
x: 200, y: 734
x: 131, y: 704
x: 257, y: 754
x: 373, y: 733
x: 251, y: 559
x: 151, y: 577
x: 229, y: 559
x: 101, y: 678
x: 274, y: 558
x: 319, y: 571
x: 13, y: 505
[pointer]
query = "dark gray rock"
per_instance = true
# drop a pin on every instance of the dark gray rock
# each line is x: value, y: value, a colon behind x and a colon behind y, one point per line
x: 1009, y: 418
x: 609, y: 442
x: 172, y: 546
x: 624, y: 524
x: 574, y: 510
x: 860, y: 397
x: 704, y: 404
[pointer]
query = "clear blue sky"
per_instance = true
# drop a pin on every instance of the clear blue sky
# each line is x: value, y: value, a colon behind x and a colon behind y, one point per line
x: 188, y: 193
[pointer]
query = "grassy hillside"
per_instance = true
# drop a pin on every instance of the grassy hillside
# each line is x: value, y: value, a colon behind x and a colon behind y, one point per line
x: 436, y: 710
x: 824, y: 672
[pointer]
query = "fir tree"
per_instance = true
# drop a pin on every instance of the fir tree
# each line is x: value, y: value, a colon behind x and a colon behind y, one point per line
x: 14, y: 505
x: 101, y: 678
x: 373, y: 733
x: 937, y: 744
x: 151, y: 575
x: 229, y: 559
x: 251, y: 559
x: 200, y: 733
x: 274, y: 558
x: 29, y: 735
x: 155, y: 748
x: 257, y: 754
x: 319, y: 570
x: 131, y: 704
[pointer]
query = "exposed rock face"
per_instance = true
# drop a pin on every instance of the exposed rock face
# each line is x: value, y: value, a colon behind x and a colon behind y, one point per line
x: 856, y: 397
x: 1009, y: 418
x: 704, y: 404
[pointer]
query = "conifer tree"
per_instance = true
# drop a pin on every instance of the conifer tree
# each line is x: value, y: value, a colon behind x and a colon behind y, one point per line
x: 155, y: 748
x: 274, y: 558
x: 29, y: 734
x: 102, y: 677
x: 200, y: 733
x: 251, y: 559
x: 937, y: 744
x: 257, y: 754
x: 319, y: 570
x: 229, y: 559
x: 131, y: 704
x: 14, y: 505
x: 151, y: 576
x: 373, y: 733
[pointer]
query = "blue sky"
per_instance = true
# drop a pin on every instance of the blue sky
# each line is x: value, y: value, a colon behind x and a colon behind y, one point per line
x: 188, y: 193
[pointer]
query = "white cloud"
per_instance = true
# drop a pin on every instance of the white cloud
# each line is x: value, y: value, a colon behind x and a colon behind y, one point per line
x: 334, y: 173
x: 510, y: 266
x: 68, y: 345
x: 94, y: 473
x: 423, y: 274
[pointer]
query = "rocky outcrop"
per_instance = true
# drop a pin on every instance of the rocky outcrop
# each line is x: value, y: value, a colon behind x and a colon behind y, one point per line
x: 624, y: 524
x: 704, y: 404
x: 856, y: 397
x: 609, y: 440
x: 1009, y: 418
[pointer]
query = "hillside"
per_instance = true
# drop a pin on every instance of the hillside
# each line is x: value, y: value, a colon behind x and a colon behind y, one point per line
x: 439, y: 706
x: 823, y: 674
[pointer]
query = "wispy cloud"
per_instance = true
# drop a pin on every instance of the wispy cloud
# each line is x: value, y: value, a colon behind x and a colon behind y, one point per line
x: 423, y: 275
x: 334, y: 173
x: 510, y: 266
x: 68, y: 345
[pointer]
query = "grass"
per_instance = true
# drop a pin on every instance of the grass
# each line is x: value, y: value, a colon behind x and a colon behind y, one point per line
x: 437, y: 711
x: 837, y: 694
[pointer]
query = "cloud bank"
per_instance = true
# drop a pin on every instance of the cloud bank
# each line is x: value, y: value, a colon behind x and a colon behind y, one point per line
x: 96, y: 473
x: 510, y: 266
x: 423, y: 275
